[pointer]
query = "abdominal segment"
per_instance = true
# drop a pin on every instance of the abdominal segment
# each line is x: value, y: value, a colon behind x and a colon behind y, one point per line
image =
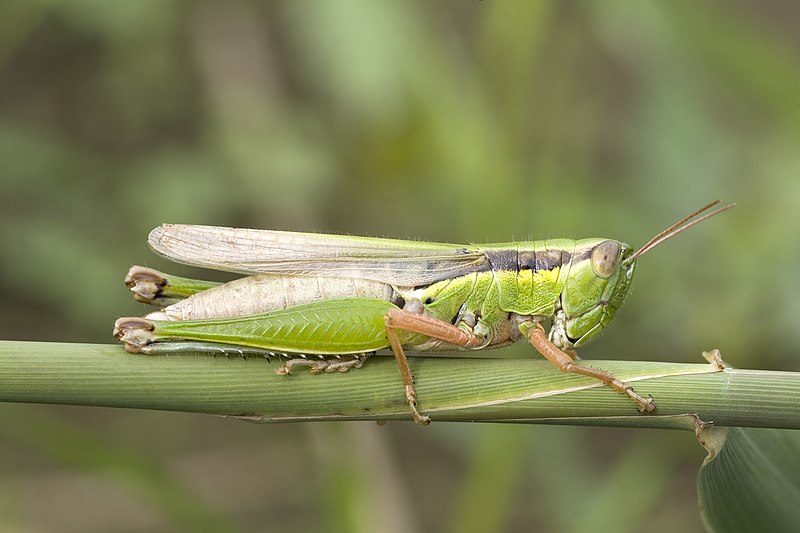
x: 268, y: 292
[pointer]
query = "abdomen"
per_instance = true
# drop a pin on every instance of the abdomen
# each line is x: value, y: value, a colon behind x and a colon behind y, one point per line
x: 268, y: 292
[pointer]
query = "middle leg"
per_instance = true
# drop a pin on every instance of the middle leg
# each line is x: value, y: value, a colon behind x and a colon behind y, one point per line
x: 402, y: 320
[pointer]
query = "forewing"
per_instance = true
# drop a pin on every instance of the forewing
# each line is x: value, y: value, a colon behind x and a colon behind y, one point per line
x: 248, y: 251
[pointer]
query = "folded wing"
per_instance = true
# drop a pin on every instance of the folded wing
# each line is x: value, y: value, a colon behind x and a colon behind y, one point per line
x: 248, y: 251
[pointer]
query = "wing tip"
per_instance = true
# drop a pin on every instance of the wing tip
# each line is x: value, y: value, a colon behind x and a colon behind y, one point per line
x: 176, y: 241
x: 155, y: 235
x: 158, y: 235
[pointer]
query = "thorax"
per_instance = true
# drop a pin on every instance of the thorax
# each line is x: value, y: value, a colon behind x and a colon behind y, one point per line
x: 524, y: 281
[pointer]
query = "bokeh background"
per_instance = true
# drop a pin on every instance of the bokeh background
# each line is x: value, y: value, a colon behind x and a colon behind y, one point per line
x: 460, y: 121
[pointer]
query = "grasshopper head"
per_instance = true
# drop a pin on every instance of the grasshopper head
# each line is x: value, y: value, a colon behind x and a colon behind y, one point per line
x: 599, y: 278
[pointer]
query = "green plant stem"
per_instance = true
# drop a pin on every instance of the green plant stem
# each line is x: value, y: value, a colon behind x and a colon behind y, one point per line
x: 449, y: 388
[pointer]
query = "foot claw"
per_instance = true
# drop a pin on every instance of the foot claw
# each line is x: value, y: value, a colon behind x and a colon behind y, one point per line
x: 419, y: 418
x: 647, y: 405
x: 422, y: 420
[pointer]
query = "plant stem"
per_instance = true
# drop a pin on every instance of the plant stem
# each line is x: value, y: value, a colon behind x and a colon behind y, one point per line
x: 449, y: 388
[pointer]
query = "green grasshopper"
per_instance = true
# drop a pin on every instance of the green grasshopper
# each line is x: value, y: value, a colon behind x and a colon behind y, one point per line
x: 341, y: 298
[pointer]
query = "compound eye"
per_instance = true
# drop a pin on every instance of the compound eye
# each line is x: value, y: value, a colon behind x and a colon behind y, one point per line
x: 604, y: 258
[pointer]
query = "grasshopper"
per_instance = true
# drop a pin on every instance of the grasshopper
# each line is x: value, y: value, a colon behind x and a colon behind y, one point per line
x: 328, y: 302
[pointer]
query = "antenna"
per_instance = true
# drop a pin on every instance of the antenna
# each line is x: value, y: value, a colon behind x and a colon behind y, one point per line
x: 681, y: 225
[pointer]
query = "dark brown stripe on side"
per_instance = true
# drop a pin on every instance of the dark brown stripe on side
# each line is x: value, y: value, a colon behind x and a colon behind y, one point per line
x: 550, y: 259
x: 527, y: 259
x: 503, y: 259
x: 581, y: 254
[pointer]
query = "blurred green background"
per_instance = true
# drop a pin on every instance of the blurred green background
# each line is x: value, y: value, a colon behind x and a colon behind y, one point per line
x: 451, y: 121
